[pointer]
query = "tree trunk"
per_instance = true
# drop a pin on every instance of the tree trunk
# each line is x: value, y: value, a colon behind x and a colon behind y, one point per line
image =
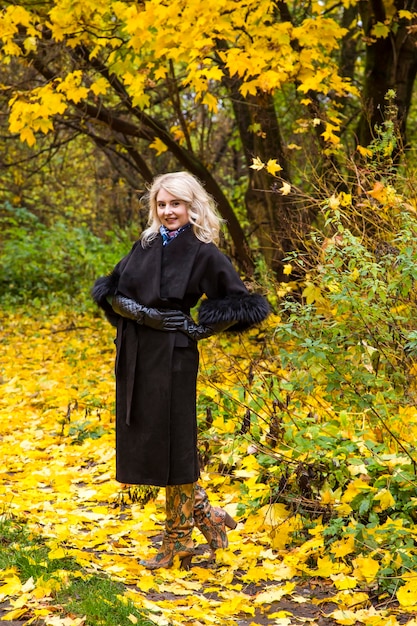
x: 391, y: 63
x: 267, y: 208
x: 276, y: 222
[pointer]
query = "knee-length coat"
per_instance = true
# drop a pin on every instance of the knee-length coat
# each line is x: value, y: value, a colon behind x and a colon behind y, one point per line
x: 156, y: 371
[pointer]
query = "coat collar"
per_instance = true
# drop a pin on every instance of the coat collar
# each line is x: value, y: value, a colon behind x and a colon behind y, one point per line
x: 177, y: 263
x: 159, y: 272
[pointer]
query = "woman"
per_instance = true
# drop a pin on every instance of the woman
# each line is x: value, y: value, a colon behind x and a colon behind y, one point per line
x: 148, y: 296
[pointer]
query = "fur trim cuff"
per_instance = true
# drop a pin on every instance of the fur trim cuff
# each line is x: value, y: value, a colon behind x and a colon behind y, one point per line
x: 246, y: 310
x: 103, y: 287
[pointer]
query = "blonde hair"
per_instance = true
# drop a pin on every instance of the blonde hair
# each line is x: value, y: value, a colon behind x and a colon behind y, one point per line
x: 202, y: 213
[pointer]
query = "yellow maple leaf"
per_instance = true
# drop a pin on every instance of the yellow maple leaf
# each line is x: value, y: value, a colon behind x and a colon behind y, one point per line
x: 280, y: 535
x: 312, y: 293
x: 343, y: 546
x: 159, y: 146
x: 45, y: 588
x: 272, y: 167
x: 343, y: 581
x: 72, y: 86
x: 380, y: 29
x: 354, y: 488
x: 11, y: 588
x: 344, y: 617
x: 273, y: 514
x: 379, y: 192
x: 57, y: 553
x: 407, y: 15
x: 99, y: 86
x: 257, y: 164
x: 15, y: 614
x: 234, y: 605
x: 385, y: 499
x: 407, y: 594
x: 365, y: 568
x: 312, y: 81
x: 210, y: 101
x: 345, y: 198
x: 351, y: 599
x: 27, y: 135
x: 160, y: 72
x: 326, y: 567
x: 365, y: 152
x: 330, y: 134
x: 249, y: 88
x: 274, y: 593
x: 285, y: 189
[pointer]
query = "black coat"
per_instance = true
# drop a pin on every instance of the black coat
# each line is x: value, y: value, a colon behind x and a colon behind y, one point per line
x: 156, y: 371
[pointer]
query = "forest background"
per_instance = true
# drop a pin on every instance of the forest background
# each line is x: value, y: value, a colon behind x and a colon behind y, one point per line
x: 299, y: 117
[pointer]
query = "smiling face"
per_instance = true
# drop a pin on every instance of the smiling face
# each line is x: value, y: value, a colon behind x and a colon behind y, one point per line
x: 172, y: 212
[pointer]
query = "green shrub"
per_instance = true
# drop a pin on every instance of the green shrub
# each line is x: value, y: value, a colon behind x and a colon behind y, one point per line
x: 40, y: 264
x: 324, y: 402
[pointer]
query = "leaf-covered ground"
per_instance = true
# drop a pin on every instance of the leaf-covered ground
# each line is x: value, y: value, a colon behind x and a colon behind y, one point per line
x: 56, y: 474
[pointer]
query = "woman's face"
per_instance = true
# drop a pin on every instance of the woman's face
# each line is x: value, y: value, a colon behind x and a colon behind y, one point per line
x: 172, y: 212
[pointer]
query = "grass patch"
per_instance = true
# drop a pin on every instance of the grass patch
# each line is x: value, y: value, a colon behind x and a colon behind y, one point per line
x: 28, y: 554
x: 96, y: 598
x: 102, y: 601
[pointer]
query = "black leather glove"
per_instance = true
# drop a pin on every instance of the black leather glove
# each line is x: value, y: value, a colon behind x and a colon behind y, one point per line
x: 154, y: 318
x: 201, y: 331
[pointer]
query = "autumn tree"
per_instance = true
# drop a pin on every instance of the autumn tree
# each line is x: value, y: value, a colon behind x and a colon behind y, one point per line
x: 211, y: 87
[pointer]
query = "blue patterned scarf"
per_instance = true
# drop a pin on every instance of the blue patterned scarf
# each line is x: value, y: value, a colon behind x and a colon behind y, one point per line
x: 169, y: 235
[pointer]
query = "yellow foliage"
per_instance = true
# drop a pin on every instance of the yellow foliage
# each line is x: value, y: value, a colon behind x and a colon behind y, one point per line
x: 210, y: 101
x: 285, y: 189
x: 29, y: 116
x: 351, y: 599
x: 385, y: 499
x: 140, y: 40
x: 158, y: 146
x: 99, y: 86
x: 272, y: 167
x: 326, y: 567
x: 11, y: 588
x: 330, y: 134
x: 257, y: 164
x: 407, y: 594
x: 274, y: 593
x: 344, y: 617
x: 57, y: 395
x: 343, y: 547
x: 354, y: 488
x: 365, y: 568
x: 312, y: 293
x: 379, y: 29
x: 343, y: 581
x: 365, y: 152
x: 72, y: 87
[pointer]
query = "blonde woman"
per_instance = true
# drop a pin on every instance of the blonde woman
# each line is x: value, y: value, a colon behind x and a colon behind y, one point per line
x: 148, y: 297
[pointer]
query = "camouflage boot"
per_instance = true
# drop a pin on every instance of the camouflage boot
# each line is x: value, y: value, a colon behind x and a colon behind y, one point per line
x: 177, y: 540
x: 211, y: 521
